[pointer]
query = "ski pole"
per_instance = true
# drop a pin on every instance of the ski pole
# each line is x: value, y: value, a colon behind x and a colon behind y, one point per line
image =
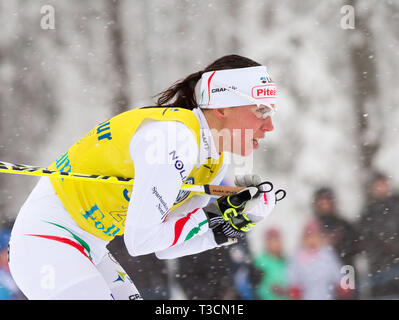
x: 6, y: 167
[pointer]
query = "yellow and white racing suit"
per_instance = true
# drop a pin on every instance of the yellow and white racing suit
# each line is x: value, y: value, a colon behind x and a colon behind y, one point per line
x: 58, y: 243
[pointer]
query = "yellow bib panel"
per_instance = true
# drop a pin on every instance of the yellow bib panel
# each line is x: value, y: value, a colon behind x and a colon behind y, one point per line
x: 100, y: 208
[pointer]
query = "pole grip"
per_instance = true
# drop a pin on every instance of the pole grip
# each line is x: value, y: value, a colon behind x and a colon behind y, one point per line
x: 222, y: 190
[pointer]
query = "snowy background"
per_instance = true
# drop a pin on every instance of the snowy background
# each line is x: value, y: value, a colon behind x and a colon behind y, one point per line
x: 338, y: 112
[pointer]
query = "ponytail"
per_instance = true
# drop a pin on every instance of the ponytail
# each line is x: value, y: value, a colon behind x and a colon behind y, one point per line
x: 184, y: 91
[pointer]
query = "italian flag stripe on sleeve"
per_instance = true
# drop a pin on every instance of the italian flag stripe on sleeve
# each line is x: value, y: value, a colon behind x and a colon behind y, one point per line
x: 195, y: 230
x: 179, y: 226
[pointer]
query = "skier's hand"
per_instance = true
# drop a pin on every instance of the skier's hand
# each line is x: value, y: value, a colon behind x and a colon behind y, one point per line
x: 225, y: 234
x: 229, y: 209
x: 263, y: 202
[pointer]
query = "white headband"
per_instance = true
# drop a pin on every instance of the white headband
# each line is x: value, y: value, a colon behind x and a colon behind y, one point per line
x: 237, y: 87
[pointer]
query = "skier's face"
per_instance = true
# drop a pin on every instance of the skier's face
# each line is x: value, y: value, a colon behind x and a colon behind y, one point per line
x: 246, y: 128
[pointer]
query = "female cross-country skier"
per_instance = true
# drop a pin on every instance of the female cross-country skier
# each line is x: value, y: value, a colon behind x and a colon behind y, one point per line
x: 58, y: 243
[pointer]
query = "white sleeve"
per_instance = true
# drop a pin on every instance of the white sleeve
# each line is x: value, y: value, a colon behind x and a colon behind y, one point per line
x: 163, y: 154
x: 202, y: 242
x: 205, y: 241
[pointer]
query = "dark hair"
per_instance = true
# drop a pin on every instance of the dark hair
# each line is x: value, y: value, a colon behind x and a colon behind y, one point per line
x: 324, y: 192
x: 183, y: 91
x: 377, y: 176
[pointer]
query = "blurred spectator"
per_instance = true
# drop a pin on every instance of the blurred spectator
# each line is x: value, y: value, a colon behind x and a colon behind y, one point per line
x: 8, y: 288
x: 245, y: 275
x: 149, y: 274
x: 379, y: 227
x: 226, y: 273
x: 314, y: 271
x: 340, y: 233
x: 273, y: 266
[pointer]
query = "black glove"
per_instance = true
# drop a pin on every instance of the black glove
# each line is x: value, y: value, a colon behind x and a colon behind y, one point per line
x: 229, y: 209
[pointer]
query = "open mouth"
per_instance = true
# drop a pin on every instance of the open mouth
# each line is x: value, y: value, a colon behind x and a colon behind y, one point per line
x: 255, y: 143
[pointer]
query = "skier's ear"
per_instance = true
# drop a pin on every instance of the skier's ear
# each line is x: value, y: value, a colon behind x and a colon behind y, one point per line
x: 219, y: 113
